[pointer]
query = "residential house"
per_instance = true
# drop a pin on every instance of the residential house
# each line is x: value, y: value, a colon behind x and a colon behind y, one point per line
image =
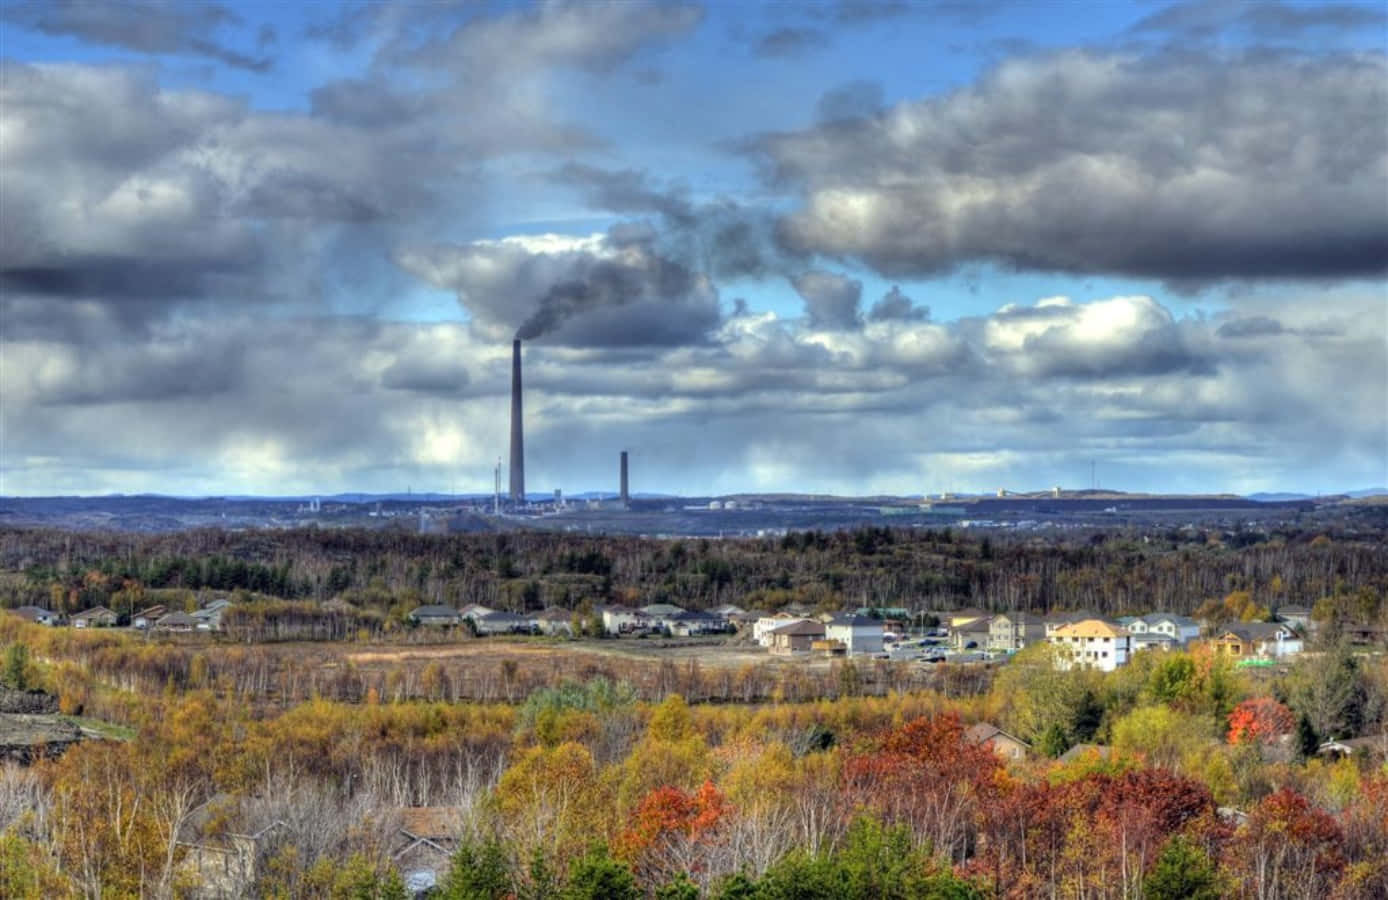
x: 859, y: 635
x: 1299, y: 617
x: 745, y: 622
x: 435, y: 614
x: 210, y: 616
x: 1060, y: 619
x: 175, y: 621
x: 1003, y: 744
x: 1153, y: 641
x: 96, y: 617
x: 146, y: 618
x: 662, y: 616
x: 695, y: 622
x: 219, y: 863
x: 555, y: 621
x: 618, y: 619
x: 1267, y: 639
x: 424, y: 845
x: 761, y: 631
x: 1374, y: 746
x: 1092, y: 644
x: 1181, y: 629
x: 501, y: 622
x: 972, y: 634
x: 727, y: 611
x: 473, y: 610
x: 796, y: 637
x: 38, y: 615
x: 1010, y: 632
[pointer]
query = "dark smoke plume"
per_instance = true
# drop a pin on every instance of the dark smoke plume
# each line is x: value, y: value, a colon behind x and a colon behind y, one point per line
x: 604, y: 283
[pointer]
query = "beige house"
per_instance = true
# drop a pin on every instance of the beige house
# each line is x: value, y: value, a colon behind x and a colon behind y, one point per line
x: 797, y: 637
x: 1010, y: 632
x: 1003, y: 744
x: 96, y: 617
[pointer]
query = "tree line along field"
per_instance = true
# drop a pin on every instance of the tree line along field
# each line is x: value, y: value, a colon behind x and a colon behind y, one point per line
x: 580, y: 770
x: 375, y: 577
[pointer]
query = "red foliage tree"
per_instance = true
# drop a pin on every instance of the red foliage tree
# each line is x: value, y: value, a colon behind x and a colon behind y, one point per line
x: 1261, y: 720
x: 927, y: 775
x: 1288, y: 848
x: 1087, y: 836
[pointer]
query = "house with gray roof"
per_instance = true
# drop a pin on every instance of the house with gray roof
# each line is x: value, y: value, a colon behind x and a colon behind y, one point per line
x: 435, y: 614
x: 859, y: 635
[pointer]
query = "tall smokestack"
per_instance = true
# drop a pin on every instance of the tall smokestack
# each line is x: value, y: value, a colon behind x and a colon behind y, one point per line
x: 626, y: 498
x: 517, y: 431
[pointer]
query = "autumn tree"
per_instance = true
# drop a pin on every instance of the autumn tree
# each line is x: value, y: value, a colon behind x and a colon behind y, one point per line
x: 1287, y: 849
x: 1259, y: 720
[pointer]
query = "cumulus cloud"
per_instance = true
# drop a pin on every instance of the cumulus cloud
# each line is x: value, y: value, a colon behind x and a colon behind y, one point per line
x: 762, y: 403
x: 1178, y: 167
x: 831, y: 299
x: 896, y: 305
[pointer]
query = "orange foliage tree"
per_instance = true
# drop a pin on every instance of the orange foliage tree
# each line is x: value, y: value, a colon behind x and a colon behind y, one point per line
x: 1259, y: 720
x: 673, y: 831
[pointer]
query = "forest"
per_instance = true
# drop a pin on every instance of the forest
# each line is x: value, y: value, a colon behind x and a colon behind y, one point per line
x: 381, y: 575
x: 298, y: 768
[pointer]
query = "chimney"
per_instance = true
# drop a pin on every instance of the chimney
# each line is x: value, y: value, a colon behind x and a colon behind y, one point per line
x: 517, y: 433
x: 626, y: 498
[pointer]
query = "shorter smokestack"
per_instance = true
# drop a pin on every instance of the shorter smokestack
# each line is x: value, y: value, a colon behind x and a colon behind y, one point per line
x: 626, y: 498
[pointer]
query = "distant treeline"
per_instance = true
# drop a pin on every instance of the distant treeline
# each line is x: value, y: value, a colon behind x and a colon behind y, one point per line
x: 1111, y: 573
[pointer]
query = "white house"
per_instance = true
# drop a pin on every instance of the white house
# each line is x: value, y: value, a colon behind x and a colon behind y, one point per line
x: 1092, y: 644
x: 624, y: 620
x: 858, y: 634
x: 1181, y: 629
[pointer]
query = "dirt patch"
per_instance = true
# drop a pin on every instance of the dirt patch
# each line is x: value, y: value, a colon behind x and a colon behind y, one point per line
x: 26, y: 738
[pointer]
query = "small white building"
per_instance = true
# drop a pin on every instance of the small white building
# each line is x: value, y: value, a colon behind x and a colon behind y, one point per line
x: 859, y: 634
x: 624, y: 620
x: 1181, y: 629
x: 1091, y: 644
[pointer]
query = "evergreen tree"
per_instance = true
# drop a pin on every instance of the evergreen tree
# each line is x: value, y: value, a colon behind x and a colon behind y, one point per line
x: 1183, y: 871
x: 597, y: 876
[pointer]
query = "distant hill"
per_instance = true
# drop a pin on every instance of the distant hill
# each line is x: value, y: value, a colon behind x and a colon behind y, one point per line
x: 1284, y: 496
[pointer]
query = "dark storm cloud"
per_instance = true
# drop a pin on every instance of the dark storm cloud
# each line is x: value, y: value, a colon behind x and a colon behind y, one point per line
x: 119, y: 191
x: 831, y: 300
x: 1179, y: 167
x: 146, y: 27
x: 791, y: 42
x: 895, y: 305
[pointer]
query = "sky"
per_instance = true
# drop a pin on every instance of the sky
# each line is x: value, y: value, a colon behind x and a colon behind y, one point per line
x: 854, y: 247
